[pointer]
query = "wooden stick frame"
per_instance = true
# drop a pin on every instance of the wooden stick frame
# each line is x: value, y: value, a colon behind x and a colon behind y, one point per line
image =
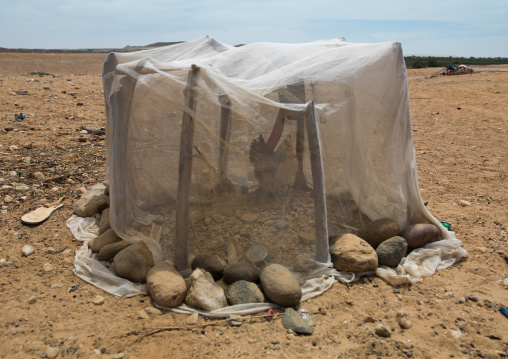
x: 318, y: 180
x: 181, y: 245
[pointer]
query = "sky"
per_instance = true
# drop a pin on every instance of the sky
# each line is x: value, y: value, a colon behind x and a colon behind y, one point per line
x: 424, y: 27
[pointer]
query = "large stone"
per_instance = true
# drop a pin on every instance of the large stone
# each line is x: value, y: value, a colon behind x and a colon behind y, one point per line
x: 294, y: 321
x: 210, y: 263
x: 241, y: 271
x: 418, y: 235
x: 352, y: 254
x: 280, y: 286
x: 241, y: 292
x: 104, y: 223
x: 378, y: 231
x: 109, y: 251
x: 204, y: 293
x: 391, y: 251
x: 92, y: 201
x: 103, y: 240
x: 134, y: 262
x: 166, y: 285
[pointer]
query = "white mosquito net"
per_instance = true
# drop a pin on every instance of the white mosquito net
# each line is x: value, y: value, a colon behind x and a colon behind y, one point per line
x: 190, y: 174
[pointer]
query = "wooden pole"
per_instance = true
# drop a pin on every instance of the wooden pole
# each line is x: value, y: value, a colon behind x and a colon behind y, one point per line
x: 225, y: 134
x: 318, y: 180
x: 181, y: 245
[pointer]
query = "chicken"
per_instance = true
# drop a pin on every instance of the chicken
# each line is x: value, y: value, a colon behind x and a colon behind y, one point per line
x: 274, y: 170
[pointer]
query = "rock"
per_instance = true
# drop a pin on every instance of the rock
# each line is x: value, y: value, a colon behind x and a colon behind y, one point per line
x: 98, y: 300
x: 403, y: 319
x: 280, y: 286
x: 232, y: 255
x: 47, y: 267
x: 104, y: 223
x: 391, y: 251
x: 382, y: 331
x: 280, y: 225
x: 27, y: 250
x: 153, y: 311
x: 92, y: 201
x: 249, y: 217
x: 418, y: 235
x: 378, y: 231
x: 32, y: 300
x: 210, y: 263
x: 193, y: 318
x: 464, y: 203
x: 8, y: 199
x: 505, y: 282
x: 141, y: 314
x: 218, y: 218
x: 166, y: 285
x: 456, y: 334
x: 235, y: 320
x: 82, y: 138
x: 134, y: 262
x: 241, y: 292
x: 241, y: 271
x: 108, y: 237
x: 51, y: 352
x: 203, y: 293
x: 109, y: 251
x: 352, y: 254
x: 293, y: 321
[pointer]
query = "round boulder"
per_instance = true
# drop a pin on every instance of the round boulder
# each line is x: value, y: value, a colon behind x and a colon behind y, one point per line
x: 241, y: 292
x: 241, y: 271
x: 418, y: 235
x: 166, y: 285
x: 280, y: 286
x: 134, y: 262
x: 210, y: 263
x: 378, y: 231
x: 352, y: 254
x: 391, y: 251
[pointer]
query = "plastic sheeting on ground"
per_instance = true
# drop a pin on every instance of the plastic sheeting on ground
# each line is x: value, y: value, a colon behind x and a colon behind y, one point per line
x: 420, y: 263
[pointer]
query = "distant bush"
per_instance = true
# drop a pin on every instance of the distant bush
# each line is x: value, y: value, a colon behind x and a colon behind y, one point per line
x: 419, y: 62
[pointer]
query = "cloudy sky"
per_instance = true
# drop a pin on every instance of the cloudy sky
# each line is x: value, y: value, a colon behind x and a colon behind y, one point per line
x: 442, y: 27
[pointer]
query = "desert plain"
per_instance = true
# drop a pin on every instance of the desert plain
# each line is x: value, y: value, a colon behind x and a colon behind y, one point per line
x: 460, y: 128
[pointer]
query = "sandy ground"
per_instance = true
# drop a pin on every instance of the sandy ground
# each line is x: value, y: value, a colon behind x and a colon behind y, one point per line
x: 460, y: 125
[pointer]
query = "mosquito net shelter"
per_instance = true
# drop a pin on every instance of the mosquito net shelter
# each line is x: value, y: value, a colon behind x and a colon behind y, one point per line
x: 261, y: 152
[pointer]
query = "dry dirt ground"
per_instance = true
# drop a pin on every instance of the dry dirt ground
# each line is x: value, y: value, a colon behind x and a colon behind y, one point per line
x: 460, y: 125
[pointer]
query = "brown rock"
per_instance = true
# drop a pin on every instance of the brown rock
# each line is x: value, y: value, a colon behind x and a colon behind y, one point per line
x: 241, y: 271
x: 166, y: 285
x: 109, y: 251
x: 134, y: 262
x: 352, y: 254
x: 104, y: 223
x: 418, y: 235
x: 93, y: 201
x: 280, y: 286
x: 108, y: 237
x: 210, y: 263
x: 378, y: 231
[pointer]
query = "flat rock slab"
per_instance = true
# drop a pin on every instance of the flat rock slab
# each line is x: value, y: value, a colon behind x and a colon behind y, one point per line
x: 294, y: 321
x: 92, y: 201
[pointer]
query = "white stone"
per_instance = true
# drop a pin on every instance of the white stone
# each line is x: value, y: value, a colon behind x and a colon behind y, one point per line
x: 51, y: 352
x: 47, y: 267
x: 98, y: 300
x: 204, y: 293
x: 456, y: 334
x: 27, y: 250
x: 193, y: 318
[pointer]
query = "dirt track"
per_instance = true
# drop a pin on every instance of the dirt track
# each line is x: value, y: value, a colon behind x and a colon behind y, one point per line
x: 460, y: 125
